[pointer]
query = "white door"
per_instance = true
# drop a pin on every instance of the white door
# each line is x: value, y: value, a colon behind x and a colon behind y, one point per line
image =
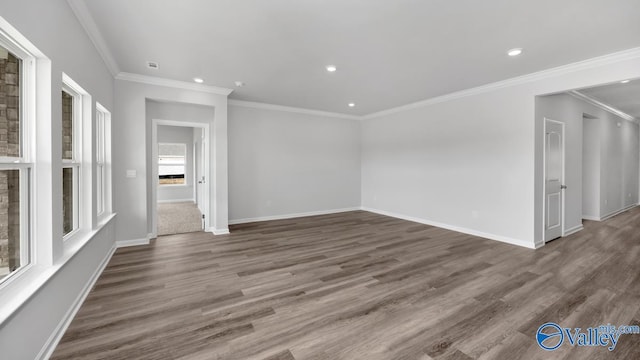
x: 554, y: 179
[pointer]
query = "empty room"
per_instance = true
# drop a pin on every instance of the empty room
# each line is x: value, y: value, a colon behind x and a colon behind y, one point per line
x: 320, y: 180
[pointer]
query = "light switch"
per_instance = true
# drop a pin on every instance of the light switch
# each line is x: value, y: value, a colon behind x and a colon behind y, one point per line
x: 131, y: 173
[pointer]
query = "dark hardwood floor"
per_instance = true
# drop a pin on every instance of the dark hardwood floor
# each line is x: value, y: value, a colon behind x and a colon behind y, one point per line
x: 359, y: 286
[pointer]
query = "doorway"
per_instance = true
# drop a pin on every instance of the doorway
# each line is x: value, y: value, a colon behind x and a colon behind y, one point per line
x: 180, y: 193
x: 554, y: 174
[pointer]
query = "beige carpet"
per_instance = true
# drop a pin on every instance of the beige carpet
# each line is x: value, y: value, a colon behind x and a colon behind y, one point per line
x: 178, y: 218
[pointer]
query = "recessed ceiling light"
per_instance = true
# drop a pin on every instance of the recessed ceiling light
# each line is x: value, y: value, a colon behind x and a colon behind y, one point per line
x: 352, y: 104
x: 198, y: 80
x: 239, y: 83
x: 331, y: 68
x: 514, y: 52
x: 624, y: 81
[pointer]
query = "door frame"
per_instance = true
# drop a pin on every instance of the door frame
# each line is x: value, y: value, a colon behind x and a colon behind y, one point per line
x: 544, y: 178
x: 199, y: 169
x: 154, y: 169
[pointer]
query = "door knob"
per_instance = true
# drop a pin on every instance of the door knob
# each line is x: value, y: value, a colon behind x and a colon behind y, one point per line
x: 563, y: 187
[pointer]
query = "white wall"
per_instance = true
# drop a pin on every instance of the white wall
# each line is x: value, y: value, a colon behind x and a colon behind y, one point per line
x: 57, y: 283
x: 132, y: 129
x: 283, y: 163
x: 178, y: 135
x: 619, y: 166
x: 591, y: 169
x: 617, y: 161
x: 472, y: 161
x: 459, y: 164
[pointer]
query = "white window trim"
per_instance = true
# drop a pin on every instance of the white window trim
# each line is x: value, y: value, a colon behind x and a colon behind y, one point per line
x: 16, y: 288
x: 81, y: 162
x: 25, y: 162
x: 103, y: 159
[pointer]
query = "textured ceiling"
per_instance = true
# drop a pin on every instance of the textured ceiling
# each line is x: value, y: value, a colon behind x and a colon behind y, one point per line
x: 388, y: 53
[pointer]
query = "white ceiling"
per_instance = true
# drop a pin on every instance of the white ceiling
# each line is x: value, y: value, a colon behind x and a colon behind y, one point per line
x: 623, y: 97
x: 388, y: 52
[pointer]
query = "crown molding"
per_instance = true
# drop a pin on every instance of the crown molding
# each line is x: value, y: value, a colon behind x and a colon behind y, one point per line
x: 601, y: 105
x: 158, y: 81
x: 87, y: 21
x: 257, y: 105
x: 613, y: 58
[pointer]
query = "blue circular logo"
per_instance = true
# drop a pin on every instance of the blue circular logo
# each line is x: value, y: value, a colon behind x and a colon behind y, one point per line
x: 550, y: 336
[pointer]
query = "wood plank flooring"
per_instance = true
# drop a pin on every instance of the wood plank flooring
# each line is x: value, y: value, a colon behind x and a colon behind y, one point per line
x: 358, y: 286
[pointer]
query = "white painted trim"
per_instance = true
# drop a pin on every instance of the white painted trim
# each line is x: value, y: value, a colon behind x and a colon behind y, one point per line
x: 481, y: 234
x: 291, y: 216
x: 133, y: 242
x: 56, y: 336
x: 87, y: 21
x: 592, y: 218
x: 154, y: 169
x: 257, y: 105
x: 573, y: 230
x: 219, y: 231
x: 171, y: 201
x: 544, y: 74
x: 597, y: 103
x: 176, y: 84
x: 617, y: 212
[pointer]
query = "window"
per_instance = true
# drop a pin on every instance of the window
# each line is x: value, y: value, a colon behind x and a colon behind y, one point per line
x: 71, y: 114
x: 15, y: 166
x: 103, y: 149
x: 171, y: 163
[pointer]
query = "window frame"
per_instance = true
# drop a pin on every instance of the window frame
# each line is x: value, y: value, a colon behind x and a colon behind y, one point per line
x: 25, y: 161
x: 103, y: 162
x: 184, y: 165
x: 75, y: 163
x: 82, y: 159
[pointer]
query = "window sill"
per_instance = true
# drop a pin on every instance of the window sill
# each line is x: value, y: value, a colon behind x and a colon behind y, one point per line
x: 23, y: 286
x: 161, y: 186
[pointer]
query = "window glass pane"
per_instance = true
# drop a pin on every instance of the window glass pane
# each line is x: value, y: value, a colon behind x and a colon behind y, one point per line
x: 67, y: 126
x: 10, y: 244
x: 99, y: 136
x: 100, y: 188
x: 171, y: 164
x: 10, y: 67
x: 67, y: 200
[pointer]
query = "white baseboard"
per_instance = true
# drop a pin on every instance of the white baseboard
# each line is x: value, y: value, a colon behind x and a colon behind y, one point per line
x: 589, y: 217
x: 176, y: 201
x: 614, y: 213
x: 455, y: 228
x: 56, y: 336
x: 133, y: 242
x: 292, y: 216
x: 573, y: 230
x: 219, y: 231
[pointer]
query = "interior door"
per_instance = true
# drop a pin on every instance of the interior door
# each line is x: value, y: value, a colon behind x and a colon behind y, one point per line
x: 554, y: 179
